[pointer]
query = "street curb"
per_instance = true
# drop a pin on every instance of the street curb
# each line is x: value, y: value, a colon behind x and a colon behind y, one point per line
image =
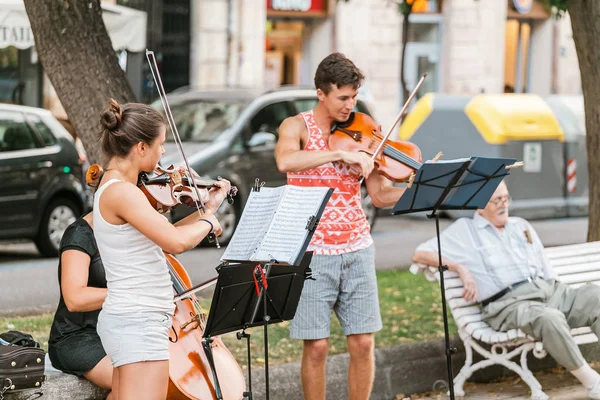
x: 406, y: 369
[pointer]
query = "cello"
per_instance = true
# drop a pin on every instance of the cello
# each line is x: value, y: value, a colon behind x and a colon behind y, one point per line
x: 197, y: 365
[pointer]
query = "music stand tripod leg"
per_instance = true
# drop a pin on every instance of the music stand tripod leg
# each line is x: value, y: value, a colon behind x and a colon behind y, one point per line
x: 241, y: 335
x: 441, y: 268
x: 206, y: 344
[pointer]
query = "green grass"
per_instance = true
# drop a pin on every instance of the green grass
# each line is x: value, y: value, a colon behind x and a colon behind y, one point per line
x: 410, y: 308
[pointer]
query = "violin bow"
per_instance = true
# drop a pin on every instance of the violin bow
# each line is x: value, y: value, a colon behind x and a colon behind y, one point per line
x: 402, y: 112
x: 171, y: 121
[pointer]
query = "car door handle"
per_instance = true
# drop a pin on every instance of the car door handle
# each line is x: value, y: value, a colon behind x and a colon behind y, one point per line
x: 44, y: 164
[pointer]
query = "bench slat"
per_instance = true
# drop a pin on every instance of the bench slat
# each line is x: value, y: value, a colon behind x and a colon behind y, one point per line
x: 582, y: 277
x: 567, y: 250
x: 575, y: 259
x: 577, y: 268
x: 586, y: 339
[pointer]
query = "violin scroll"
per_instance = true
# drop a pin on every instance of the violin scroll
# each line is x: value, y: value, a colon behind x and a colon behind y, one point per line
x: 93, y: 175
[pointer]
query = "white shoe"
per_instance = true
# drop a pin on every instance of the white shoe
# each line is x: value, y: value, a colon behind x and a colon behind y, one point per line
x: 594, y: 392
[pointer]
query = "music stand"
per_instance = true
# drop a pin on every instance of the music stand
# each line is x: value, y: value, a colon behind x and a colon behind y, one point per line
x: 462, y: 184
x: 241, y: 289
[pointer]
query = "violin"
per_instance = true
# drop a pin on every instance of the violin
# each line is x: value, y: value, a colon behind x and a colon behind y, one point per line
x: 166, y: 188
x: 398, y: 161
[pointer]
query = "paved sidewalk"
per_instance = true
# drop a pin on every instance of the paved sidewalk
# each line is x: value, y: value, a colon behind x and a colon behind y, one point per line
x: 557, y: 383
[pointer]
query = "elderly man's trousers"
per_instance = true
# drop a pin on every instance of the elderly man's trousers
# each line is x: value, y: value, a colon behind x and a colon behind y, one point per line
x: 547, y: 311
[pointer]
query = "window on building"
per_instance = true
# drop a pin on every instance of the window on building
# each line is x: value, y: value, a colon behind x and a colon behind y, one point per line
x: 517, y: 56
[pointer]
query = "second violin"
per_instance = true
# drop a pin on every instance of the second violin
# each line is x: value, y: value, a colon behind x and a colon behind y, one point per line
x: 397, y: 161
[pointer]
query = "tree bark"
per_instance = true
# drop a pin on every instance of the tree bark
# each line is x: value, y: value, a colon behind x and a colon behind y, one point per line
x: 585, y: 22
x: 77, y: 55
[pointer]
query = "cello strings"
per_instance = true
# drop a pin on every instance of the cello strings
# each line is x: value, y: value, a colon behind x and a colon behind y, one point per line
x: 195, y: 301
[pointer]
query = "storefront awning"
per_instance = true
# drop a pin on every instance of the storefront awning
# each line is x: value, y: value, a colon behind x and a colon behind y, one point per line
x: 126, y: 26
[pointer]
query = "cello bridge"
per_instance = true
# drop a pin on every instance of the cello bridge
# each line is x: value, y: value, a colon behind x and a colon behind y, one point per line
x: 195, y: 319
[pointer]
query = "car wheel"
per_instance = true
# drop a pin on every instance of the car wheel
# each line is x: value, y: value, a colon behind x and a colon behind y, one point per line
x: 228, y: 217
x: 368, y: 206
x: 59, y: 214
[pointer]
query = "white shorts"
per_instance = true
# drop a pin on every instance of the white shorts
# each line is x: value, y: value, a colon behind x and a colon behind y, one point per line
x: 132, y: 338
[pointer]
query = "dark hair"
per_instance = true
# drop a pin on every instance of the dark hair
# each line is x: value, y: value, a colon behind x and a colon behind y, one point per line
x: 124, y: 126
x: 337, y: 69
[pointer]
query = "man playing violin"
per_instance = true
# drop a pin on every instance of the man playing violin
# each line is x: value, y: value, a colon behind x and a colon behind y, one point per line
x: 343, y: 262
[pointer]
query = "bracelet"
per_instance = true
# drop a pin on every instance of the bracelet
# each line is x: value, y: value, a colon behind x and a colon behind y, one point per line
x: 208, y: 222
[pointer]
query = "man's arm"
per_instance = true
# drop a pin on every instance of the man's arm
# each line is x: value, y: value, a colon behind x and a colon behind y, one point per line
x: 432, y: 259
x: 382, y: 193
x: 291, y: 158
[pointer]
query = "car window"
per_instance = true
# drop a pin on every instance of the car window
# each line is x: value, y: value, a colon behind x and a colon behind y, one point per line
x: 14, y: 133
x: 203, y: 121
x: 303, y: 105
x: 269, y: 118
x: 43, y: 130
x: 306, y: 104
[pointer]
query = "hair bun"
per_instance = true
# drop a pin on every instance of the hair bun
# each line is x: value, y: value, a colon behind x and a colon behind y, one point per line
x: 112, y: 116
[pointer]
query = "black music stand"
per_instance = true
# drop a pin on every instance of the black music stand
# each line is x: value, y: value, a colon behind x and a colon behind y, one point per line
x: 462, y: 184
x: 241, y: 289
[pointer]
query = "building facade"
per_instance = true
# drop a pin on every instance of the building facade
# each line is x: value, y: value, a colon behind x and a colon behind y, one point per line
x: 465, y: 46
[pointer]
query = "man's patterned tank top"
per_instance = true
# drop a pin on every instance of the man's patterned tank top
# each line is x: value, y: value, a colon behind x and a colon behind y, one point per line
x: 343, y: 227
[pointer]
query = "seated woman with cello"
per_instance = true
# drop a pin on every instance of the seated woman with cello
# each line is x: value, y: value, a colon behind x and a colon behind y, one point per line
x: 136, y: 317
x: 74, y: 346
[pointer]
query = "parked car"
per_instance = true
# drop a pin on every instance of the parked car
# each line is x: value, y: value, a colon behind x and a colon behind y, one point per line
x: 42, y: 188
x: 233, y: 133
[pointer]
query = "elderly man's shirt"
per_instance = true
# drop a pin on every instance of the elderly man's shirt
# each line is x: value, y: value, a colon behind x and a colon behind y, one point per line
x: 498, y: 258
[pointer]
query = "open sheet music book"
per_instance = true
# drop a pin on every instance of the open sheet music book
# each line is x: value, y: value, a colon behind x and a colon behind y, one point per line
x: 277, y: 224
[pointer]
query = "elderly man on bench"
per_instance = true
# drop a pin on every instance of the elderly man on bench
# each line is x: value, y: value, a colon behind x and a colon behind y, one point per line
x: 501, y: 263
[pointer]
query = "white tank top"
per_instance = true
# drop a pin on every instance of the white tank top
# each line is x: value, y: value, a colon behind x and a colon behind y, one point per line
x: 137, y: 275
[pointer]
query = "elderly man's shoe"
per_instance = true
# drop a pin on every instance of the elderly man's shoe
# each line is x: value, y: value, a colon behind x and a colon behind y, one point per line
x: 594, y: 392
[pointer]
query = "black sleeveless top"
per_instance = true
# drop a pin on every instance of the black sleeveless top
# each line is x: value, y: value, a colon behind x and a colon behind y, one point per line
x: 78, y: 236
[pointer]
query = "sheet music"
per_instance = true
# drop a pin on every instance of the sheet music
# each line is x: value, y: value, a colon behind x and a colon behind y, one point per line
x: 288, y: 232
x: 253, y: 225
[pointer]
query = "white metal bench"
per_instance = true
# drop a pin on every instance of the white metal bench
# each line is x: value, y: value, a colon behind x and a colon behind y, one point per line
x: 575, y: 265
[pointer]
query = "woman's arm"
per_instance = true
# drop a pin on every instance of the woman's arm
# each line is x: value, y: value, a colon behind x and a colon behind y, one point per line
x: 78, y: 296
x: 126, y: 202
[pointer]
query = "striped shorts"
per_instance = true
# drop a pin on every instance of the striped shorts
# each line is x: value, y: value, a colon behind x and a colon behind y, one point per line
x: 345, y: 283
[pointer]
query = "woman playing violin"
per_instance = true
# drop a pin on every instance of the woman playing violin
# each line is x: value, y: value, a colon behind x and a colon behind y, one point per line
x: 131, y: 235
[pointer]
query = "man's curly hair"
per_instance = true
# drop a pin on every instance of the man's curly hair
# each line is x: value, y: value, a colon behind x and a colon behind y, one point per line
x: 336, y: 69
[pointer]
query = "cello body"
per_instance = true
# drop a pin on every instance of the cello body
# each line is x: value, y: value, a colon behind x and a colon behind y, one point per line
x: 190, y: 374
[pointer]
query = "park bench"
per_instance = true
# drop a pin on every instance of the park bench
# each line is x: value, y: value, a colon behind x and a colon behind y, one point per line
x: 575, y: 265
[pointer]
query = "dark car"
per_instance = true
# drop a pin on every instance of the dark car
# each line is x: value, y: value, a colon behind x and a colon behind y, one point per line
x: 42, y: 187
x: 232, y: 133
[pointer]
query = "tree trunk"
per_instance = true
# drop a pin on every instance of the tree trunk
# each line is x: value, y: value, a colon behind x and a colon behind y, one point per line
x: 405, y: 23
x: 77, y: 55
x: 585, y: 21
